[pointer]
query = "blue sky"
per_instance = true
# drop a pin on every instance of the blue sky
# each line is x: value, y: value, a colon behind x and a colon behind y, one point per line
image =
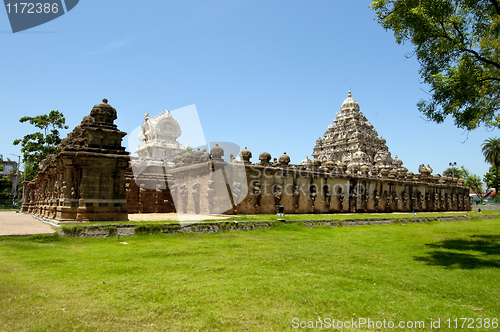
x: 267, y: 74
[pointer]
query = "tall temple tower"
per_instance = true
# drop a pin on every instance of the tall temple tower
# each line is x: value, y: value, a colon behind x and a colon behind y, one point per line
x: 352, y: 139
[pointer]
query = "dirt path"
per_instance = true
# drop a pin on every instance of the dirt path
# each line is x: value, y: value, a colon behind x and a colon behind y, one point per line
x: 12, y: 223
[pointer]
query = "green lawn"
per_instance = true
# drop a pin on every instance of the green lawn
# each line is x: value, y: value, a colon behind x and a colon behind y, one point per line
x: 252, y: 281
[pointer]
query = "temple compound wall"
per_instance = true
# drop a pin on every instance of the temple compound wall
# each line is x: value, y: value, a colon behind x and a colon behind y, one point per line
x: 312, y: 189
x: 85, y: 180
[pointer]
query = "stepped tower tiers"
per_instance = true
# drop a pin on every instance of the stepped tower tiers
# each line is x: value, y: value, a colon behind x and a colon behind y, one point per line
x: 351, y: 139
x: 159, y: 138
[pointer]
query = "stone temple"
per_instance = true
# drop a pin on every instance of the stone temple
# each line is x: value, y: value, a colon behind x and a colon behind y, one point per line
x: 93, y: 179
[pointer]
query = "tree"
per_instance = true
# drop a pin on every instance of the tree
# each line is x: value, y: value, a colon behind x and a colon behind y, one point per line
x: 5, y: 184
x: 491, y: 152
x: 472, y: 181
x: 37, y: 146
x: 189, y: 149
x: 453, y: 172
x: 457, y: 43
x: 489, y: 178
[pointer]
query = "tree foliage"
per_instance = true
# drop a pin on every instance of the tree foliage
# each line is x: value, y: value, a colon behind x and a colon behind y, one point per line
x: 38, y: 145
x: 457, y: 43
x: 453, y: 172
x: 5, y: 184
x: 489, y: 177
x: 491, y: 152
x: 472, y: 181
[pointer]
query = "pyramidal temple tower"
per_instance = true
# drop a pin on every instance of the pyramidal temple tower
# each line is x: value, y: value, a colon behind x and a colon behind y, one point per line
x: 351, y: 139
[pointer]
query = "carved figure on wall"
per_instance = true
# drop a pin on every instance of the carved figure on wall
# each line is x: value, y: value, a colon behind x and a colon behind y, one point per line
x: 353, y: 199
x: 196, y: 197
x: 236, y: 191
x: 436, y: 202
x: 327, y: 195
x: 257, y: 192
x: 413, y: 201
x: 376, y: 200
x: 173, y: 192
x: 388, y: 200
x: 142, y: 197
x: 296, y: 195
x: 211, y: 194
x: 184, y: 197
x: 404, y: 197
x: 158, y: 198
x: 312, y: 195
x: 395, y: 199
x: 278, y: 194
x: 421, y: 200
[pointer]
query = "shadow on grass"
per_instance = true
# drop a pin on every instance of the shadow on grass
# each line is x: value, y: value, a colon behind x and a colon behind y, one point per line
x: 457, y: 253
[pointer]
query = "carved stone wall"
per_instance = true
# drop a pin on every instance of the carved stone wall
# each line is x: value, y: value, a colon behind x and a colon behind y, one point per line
x: 85, y: 181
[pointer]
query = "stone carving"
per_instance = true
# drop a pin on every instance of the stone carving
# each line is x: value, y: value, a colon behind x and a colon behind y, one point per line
x: 388, y: 200
x: 196, y: 197
x: 264, y: 158
x: 296, y: 195
x: 312, y: 195
x: 376, y: 198
x: 217, y: 152
x: 257, y: 192
x: 278, y: 194
x: 306, y: 162
x: 236, y: 192
x: 211, y: 195
x: 284, y: 159
x: 404, y: 198
x: 183, y: 191
x: 327, y: 196
x: 158, y: 198
x: 341, y: 200
x: 245, y: 155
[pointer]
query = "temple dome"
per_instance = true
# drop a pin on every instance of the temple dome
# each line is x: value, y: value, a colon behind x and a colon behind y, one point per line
x: 349, y: 103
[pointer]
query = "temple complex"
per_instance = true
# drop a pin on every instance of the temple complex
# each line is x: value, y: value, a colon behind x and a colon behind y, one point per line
x: 92, y: 177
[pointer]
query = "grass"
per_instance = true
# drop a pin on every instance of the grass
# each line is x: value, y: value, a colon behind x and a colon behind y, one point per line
x: 251, y: 281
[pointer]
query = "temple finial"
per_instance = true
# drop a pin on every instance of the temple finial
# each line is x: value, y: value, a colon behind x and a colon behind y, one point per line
x: 349, y: 94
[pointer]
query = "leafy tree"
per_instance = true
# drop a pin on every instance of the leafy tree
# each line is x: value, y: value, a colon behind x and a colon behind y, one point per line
x: 189, y: 149
x: 489, y: 178
x: 37, y: 146
x: 472, y: 181
x: 491, y: 152
x: 5, y: 184
x: 457, y: 43
x: 453, y: 171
